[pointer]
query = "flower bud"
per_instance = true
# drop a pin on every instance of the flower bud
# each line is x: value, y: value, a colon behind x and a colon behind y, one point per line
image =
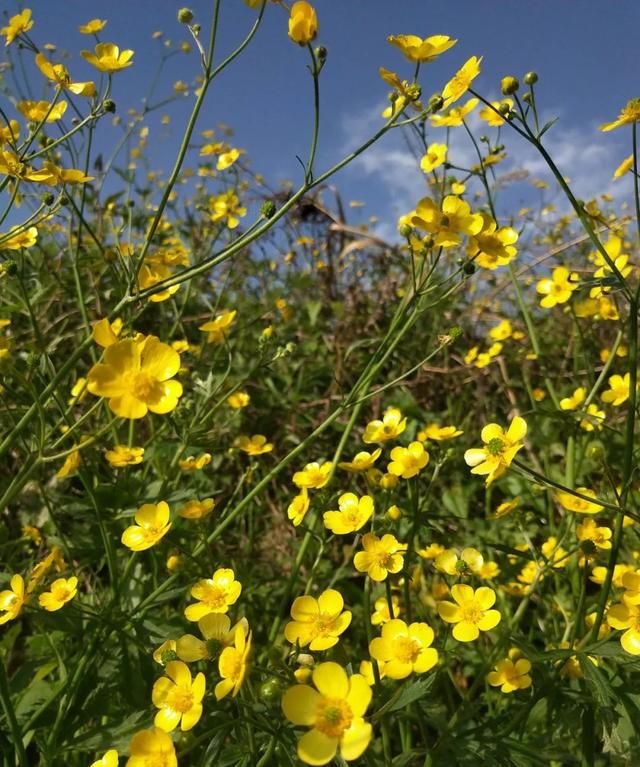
x: 527, y: 98
x: 509, y: 85
x: 167, y: 656
x: 10, y: 267
x: 270, y: 691
x: 321, y: 54
x: 531, y: 78
x: 109, y: 106
x: 185, y: 15
x: 436, y: 102
x: 47, y: 199
x: 405, y: 231
x: 504, y: 107
x: 588, y: 548
x: 268, y: 209
x: 469, y: 268
x: 394, y: 513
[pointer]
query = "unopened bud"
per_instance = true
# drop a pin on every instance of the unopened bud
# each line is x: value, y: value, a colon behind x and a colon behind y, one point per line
x: 109, y: 106
x: 185, y: 15
x: 531, y: 78
x: 405, y: 231
x: 321, y: 54
x: 469, y: 268
x: 268, y: 209
x: 436, y: 102
x: 509, y: 85
x: 47, y: 199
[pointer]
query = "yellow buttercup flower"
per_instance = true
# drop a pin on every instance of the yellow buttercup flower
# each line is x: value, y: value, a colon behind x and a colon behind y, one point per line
x: 417, y: 49
x: 218, y: 327
x: 403, y: 649
x: 493, y: 246
x: 618, y: 392
x: 624, y: 167
x: 448, y: 224
x: 227, y: 207
x: 454, y: 117
x: 121, y: 455
x: 70, y: 466
x: 62, y: 590
x: 436, y: 154
x: 390, y: 427
x: 363, y: 461
x: 12, y: 165
x: 303, y: 23
x: 354, y: 513
x: 439, y: 433
x: 298, y: 507
x: 575, y: 400
x: 319, y: 622
x: 334, y: 711
x: 12, y: 600
x: 92, y: 27
x: 629, y: 114
x: 109, y: 759
x: 179, y: 697
x: 21, y: 22
x: 214, y: 595
x: 469, y: 561
x: 558, y: 288
x: 313, y: 476
x: 255, y: 445
x: 593, y: 418
x: 626, y: 617
x: 580, y: 505
x: 191, y: 463
x: 197, y: 509
x: 227, y: 159
x: 470, y: 612
x: 238, y: 400
x: 59, y: 74
x: 590, y: 531
x: 232, y: 665
x: 461, y: 81
x: 407, y: 462
x: 106, y: 333
x: 512, y: 673
x: 500, y: 449
x: 492, y: 116
x: 108, y: 57
x: 25, y: 238
x: 380, y: 557
x: 152, y: 747
x: 381, y: 614
x: 152, y: 524
x: 217, y: 632
x: 37, y: 111
x: 135, y: 377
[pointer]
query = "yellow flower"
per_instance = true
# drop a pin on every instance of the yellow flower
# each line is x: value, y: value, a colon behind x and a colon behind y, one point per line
x: 470, y: 561
x: 218, y: 327
x: 593, y: 419
x: 255, y: 445
x: 152, y: 523
x: 65, y: 175
x: 390, y: 427
x: 491, y: 116
x: 313, y: 476
x: 108, y: 57
x: 629, y: 114
x: 58, y: 74
x: 21, y: 22
x: 506, y: 507
x: 23, y: 238
x: 431, y: 551
x: 37, y: 111
x: 626, y: 616
x: 109, y: 759
x: 575, y: 400
x: 106, y: 333
x: 407, y: 462
x: 165, y: 652
x: 62, y: 590
x: 298, y: 507
x: 492, y: 247
x: 381, y: 613
x: 404, y: 649
x: 558, y: 288
x: 217, y: 632
x: 303, y: 23
x: 363, y: 461
x: 334, y: 711
x: 92, y: 27
x: 574, y: 503
x: 380, y: 557
x: 589, y: 531
x: 197, y: 509
x: 178, y: 697
x: 461, y: 81
x: 12, y: 600
x: 153, y: 272
x: 439, y: 433
x: 354, y: 513
x: 454, y: 117
x: 512, y: 673
x: 451, y: 223
x: 435, y: 156
x: 232, y: 665
x: 227, y: 206
x: 70, y: 465
x: 226, y: 159
x: 317, y: 622
x: 618, y: 392
x: 121, y: 455
x: 214, y: 595
x: 417, y: 49
x: 624, y: 167
x: 501, y: 448
x: 134, y: 375
x: 152, y: 747
x: 471, y: 611
x: 191, y: 463
x: 238, y: 400
x: 12, y: 165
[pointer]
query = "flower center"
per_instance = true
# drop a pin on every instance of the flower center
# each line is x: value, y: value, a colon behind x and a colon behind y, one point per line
x: 495, y: 446
x: 215, y: 597
x: 143, y: 386
x: 406, y: 649
x: 333, y: 717
x: 383, y: 559
x: 323, y: 625
x: 471, y: 613
x: 181, y: 699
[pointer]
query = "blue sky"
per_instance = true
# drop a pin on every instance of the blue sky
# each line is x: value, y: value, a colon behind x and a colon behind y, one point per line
x: 583, y: 50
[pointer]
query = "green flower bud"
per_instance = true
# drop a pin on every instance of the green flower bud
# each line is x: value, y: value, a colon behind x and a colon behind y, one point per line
x: 10, y: 267
x: 469, y: 268
x: 185, y: 15
x: 509, y: 85
x: 271, y: 691
x: 527, y: 98
x: 321, y: 54
x: 405, y: 231
x: 504, y: 108
x: 109, y: 106
x: 531, y: 78
x: 588, y: 547
x: 167, y: 656
x: 436, y: 102
x: 268, y: 209
x: 48, y: 199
